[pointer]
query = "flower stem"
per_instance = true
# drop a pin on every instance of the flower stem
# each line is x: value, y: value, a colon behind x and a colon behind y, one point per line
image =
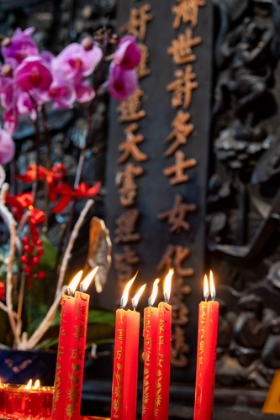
x: 37, y: 149
x: 47, y: 139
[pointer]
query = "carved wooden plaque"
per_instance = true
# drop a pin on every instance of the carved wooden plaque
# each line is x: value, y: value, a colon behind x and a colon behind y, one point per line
x: 156, y: 217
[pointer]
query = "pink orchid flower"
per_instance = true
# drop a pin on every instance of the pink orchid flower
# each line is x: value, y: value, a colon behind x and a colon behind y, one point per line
x: 75, y: 62
x: 61, y: 91
x: 121, y: 83
x: 11, y: 120
x: 33, y: 73
x: 128, y: 54
x: 19, y: 47
x: 84, y: 93
x: 7, y: 147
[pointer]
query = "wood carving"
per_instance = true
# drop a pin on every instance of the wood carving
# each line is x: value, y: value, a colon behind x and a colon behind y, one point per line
x: 176, y: 216
x: 129, y: 146
x: 125, y: 180
x: 181, y: 131
x: 125, y: 264
x: 181, y: 48
x: 143, y: 69
x: 126, y: 226
x: 179, y: 348
x: 130, y: 109
x: 182, y: 87
x: 178, y: 169
x: 186, y: 12
x: 137, y: 24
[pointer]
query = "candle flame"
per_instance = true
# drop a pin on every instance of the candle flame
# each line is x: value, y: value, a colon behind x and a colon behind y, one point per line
x: 86, y: 282
x: 153, y: 296
x: 206, y: 288
x: 167, y: 285
x: 136, y: 298
x: 212, y: 286
x: 74, y: 283
x: 124, y: 297
x: 29, y: 384
x: 37, y: 384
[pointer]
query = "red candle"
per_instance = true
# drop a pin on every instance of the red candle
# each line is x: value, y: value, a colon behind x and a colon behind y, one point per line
x: 161, y: 407
x: 73, y: 388
x: 131, y: 360
x: 2, y: 399
x: 126, y: 352
x: 64, y: 351
x: 206, y: 355
x: 150, y: 333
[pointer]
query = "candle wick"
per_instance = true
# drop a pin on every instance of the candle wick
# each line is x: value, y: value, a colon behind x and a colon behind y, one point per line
x: 166, y: 300
x: 121, y: 303
x: 133, y: 304
x: 149, y: 303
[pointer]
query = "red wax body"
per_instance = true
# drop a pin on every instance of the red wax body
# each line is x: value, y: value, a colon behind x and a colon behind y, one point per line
x: 163, y: 362
x: 77, y: 357
x: 150, y: 334
x: 63, y: 357
x: 131, y: 366
x: 118, y: 371
x: 205, y: 386
x: 2, y: 400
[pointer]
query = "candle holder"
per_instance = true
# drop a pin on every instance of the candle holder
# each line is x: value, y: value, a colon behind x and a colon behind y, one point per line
x: 47, y: 399
x: 2, y: 400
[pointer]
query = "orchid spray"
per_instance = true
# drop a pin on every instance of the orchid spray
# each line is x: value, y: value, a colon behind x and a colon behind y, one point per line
x: 32, y: 81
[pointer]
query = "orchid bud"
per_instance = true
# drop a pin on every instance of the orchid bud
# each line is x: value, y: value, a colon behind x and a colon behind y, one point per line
x: 7, y: 70
x: 6, y: 42
x: 87, y: 43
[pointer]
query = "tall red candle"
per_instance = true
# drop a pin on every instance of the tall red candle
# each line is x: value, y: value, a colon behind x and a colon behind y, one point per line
x: 131, y: 360
x: 150, y: 334
x: 161, y: 407
x: 77, y: 351
x: 206, y: 355
x: 119, y: 351
x: 126, y: 354
x: 63, y: 353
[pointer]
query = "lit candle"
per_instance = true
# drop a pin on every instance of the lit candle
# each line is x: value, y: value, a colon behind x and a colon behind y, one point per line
x: 206, y: 353
x: 150, y: 333
x: 126, y: 353
x: 74, y: 383
x: 161, y: 407
x: 2, y: 398
x: 64, y: 350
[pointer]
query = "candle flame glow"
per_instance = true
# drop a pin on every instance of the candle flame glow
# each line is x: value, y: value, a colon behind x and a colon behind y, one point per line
x: 124, y: 297
x: 37, y: 384
x: 74, y: 283
x: 29, y: 384
x: 86, y: 282
x: 153, y: 296
x: 212, y: 286
x: 136, y: 298
x: 206, y: 288
x: 167, y: 285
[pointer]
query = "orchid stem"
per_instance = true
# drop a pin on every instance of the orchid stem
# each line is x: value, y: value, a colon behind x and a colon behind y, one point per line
x: 47, y: 139
x: 37, y: 149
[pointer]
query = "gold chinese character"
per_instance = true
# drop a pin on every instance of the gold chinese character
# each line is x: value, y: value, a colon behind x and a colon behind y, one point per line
x: 180, y: 132
x: 182, y: 87
x: 77, y: 353
x: 125, y: 180
x: 178, y: 168
x: 137, y: 24
x: 79, y: 331
x: 126, y: 225
x: 130, y: 109
x: 176, y: 216
x: 186, y: 11
x: 129, y: 146
x: 142, y: 70
x: 181, y: 48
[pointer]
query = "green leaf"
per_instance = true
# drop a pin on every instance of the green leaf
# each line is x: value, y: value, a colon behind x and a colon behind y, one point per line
x: 48, y: 259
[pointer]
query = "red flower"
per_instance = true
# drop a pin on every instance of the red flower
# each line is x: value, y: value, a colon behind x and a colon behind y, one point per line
x: 22, y: 202
x: 57, y: 172
x: 2, y: 290
x: 67, y: 193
